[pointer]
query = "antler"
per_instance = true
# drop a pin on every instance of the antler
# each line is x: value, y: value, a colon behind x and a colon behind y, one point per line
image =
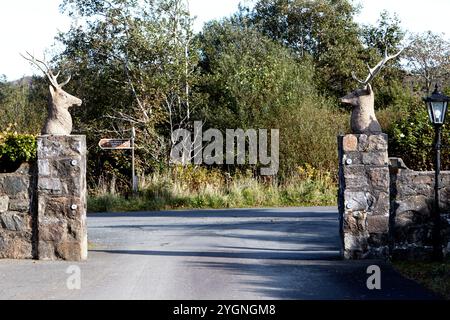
x: 43, y: 66
x: 373, y: 72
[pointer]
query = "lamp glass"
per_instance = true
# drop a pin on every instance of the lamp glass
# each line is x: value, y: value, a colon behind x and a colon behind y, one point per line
x: 437, y: 111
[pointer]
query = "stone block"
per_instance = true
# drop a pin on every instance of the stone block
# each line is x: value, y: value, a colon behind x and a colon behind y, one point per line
x: 376, y: 158
x: 16, y: 184
x: 65, y: 169
x: 44, y: 167
x: 355, y: 246
x: 357, y: 201
x: 15, y: 221
x: 350, y: 143
x: 16, y: 245
x: 382, y: 204
x: 423, y: 179
x: 60, y: 207
x: 71, y: 250
x: 378, y: 142
x: 355, y: 223
x: 4, y: 203
x: 50, y: 185
x: 47, y: 250
x: 363, y: 143
x: 356, y: 178
x: 419, y: 203
x: 22, y: 204
x: 56, y: 147
x: 378, y: 224
x: 352, y: 158
x: 63, y: 250
x: 52, y: 229
x: 379, y: 177
x: 352, y: 242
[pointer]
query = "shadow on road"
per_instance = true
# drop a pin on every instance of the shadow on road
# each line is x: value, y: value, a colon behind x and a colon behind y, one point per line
x: 258, y: 255
x: 280, y: 254
x: 226, y: 213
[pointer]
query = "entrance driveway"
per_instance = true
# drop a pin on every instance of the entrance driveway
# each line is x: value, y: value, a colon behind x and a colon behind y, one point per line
x: 289, y: 253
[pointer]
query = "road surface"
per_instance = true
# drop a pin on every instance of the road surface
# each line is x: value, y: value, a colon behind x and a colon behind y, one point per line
x: 288, y: 253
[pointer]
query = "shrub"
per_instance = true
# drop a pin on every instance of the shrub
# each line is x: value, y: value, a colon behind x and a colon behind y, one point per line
x: 412, y: 139
x: 16, y: 148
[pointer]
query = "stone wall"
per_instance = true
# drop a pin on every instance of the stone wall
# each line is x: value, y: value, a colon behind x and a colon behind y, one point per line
x: 17, y: 214
x: 385, y: 208
x: 412, y: 199
x: 364, y: 195
x: 43, y: 206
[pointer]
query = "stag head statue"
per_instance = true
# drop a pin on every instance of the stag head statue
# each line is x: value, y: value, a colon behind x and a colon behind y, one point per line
x: 364, y: 120
x: 59, y: 120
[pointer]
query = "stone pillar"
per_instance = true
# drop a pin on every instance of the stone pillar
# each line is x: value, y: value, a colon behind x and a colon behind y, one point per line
x: 62, y: 230
x: 364, y: 195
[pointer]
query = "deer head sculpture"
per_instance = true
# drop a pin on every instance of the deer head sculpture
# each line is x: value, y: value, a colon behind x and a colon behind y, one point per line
x: 59, y: 120
x: 364, y: 120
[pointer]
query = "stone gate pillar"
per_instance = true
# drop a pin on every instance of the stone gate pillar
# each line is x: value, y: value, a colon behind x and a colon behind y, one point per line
x: 61, y: 212
x: 364, y: 195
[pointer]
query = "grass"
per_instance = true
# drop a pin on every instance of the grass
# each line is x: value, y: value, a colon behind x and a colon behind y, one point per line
x: 199, y: 188
x: 434, y: 276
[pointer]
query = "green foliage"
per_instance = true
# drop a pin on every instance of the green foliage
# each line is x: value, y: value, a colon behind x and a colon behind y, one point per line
x: 324, y: 30
x: 253, y: 82
x: 16, y: 148
x: 249, y: 78
x: 412, y: 138
x: 23, y: 102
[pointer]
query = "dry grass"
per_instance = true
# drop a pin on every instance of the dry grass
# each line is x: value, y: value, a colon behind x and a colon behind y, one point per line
x: 197, y: 187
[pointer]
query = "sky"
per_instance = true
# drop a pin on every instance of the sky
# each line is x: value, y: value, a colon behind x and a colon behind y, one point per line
x: 31, y: 25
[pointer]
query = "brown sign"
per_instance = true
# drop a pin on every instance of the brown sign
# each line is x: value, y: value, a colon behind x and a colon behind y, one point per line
x: 115, y: 144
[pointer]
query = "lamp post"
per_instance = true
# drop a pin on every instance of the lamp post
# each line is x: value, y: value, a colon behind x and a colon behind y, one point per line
x: 437, y: 105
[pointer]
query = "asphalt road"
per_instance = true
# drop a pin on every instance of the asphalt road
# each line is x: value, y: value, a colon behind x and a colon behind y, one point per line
x: 223, y: 254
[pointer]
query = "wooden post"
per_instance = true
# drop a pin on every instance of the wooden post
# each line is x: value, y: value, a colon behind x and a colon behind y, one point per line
x: 133, y: 178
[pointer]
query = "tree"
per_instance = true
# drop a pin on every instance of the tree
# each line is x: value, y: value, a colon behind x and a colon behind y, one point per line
x: 386, y: 35
x: 23, y: 103
x: 247, y: 76
x: 322, y: 29
x: 135, y: 65
x: 429, y: 58
x: 254, y: 82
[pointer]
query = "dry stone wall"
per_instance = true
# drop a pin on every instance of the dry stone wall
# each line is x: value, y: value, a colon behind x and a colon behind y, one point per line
x: 412, y: 199
x: 17, y: 213
x: 385, y: 208
x: 43, y: 205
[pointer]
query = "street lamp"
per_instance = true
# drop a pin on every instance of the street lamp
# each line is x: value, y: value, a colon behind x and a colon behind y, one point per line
x: 437, y: 105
